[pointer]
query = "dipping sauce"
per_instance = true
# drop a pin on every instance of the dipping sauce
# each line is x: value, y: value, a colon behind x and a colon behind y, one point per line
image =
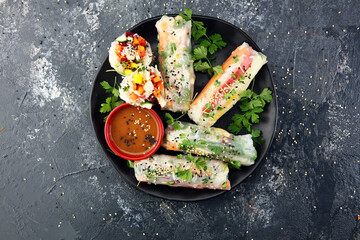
x: 134, y: 130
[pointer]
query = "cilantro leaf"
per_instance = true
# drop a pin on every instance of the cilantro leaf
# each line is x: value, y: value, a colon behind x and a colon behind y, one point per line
x: 199, y: 33
x: 200, y: 53
x: 188, y: 12
x: 212, y: 48
x: 255, y: 135
x: 130, y: 164
x: 205, y: 181
x: 205, y: 43
x: 184, y: 174
x: 236, y: 59
x: 217, y: 43
x: 234, y: 128
x: 254, y: 118
x: 217, y: 39
x: 106, y: 86
x: 173, y: 122
x: 114, y: 102
x: 218, y: 70
x: 190, y: 157
x: 246, y: 94
x: 227, y: 96
x: 209, y: 115
x: 201, y: 66
x: 240, y: 121
x: 266, y: 95
x: 217, y: 83
x: 169, y: 118
x: 183, y: 135
x: 186, y: 145
x: 106, y: 107
x: 200, y: 163
x: 115, y: 92
x: 176, y: 126
x: 234, y: 165
x: 208, y: 106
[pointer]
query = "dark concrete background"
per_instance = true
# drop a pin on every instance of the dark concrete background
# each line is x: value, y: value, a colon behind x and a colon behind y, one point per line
x: 56, y: 183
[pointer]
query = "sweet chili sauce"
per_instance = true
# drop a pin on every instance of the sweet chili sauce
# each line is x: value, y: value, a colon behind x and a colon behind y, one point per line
x: 134, y: 130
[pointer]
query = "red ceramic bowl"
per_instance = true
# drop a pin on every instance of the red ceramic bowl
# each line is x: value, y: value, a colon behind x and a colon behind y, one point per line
x: 135, y: 156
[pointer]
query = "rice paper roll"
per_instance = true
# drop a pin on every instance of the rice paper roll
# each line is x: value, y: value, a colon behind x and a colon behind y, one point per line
x: 129, y: 52
x: 176, y: 65
x: 223, y: 90
x: 214, y: 143
x: 186, y: 171
x: 143, y: 87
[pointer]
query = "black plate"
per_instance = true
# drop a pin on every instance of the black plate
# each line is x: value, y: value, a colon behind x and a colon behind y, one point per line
x: 233, y: 36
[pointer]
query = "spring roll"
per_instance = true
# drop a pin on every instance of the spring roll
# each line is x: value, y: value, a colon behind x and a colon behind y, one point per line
x: 129, y: 52
x: 176, y: 65
x: 143, y: 87
x: 214, y: 143
x: 223, y: 90
x: 185, y: 171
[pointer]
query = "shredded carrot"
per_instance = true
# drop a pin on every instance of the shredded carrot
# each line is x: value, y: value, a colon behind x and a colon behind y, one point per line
x: 172, y: 146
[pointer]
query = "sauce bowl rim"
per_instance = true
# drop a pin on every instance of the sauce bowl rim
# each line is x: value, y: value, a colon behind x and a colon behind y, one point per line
x: 119, y: 152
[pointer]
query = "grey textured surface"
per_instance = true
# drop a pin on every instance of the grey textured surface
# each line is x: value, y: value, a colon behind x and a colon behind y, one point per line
x: 56, y: 183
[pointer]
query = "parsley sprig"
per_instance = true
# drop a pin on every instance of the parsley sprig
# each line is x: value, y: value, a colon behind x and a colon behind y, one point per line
x: 184, y: 174
x: 206, y: 44
x: 251, y: 104
x: 113, y: 101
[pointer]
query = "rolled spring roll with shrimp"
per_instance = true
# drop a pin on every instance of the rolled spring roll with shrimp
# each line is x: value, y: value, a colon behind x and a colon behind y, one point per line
x: 129, y: 52
x: 223, y: 90
x: 176, y: 65
x: 186, y: 171
x: 214, y: 143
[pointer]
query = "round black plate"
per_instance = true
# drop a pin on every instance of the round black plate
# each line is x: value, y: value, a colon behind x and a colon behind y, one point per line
x: 233, y: 36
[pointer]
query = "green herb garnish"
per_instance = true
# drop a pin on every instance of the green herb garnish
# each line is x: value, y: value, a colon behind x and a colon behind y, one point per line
x: 208, y: 106
x: 206, y: 44
x: 234, y: 164
x: 200, y: 163
x: 190, y: 157
x: 173, y: 122
x: 251, y: 104
x: 184, y: 174
x: 113, y: 101
x: 186, y: 145
x: 217, y: 83
x: 130, y: 164
x: 236, y: 59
